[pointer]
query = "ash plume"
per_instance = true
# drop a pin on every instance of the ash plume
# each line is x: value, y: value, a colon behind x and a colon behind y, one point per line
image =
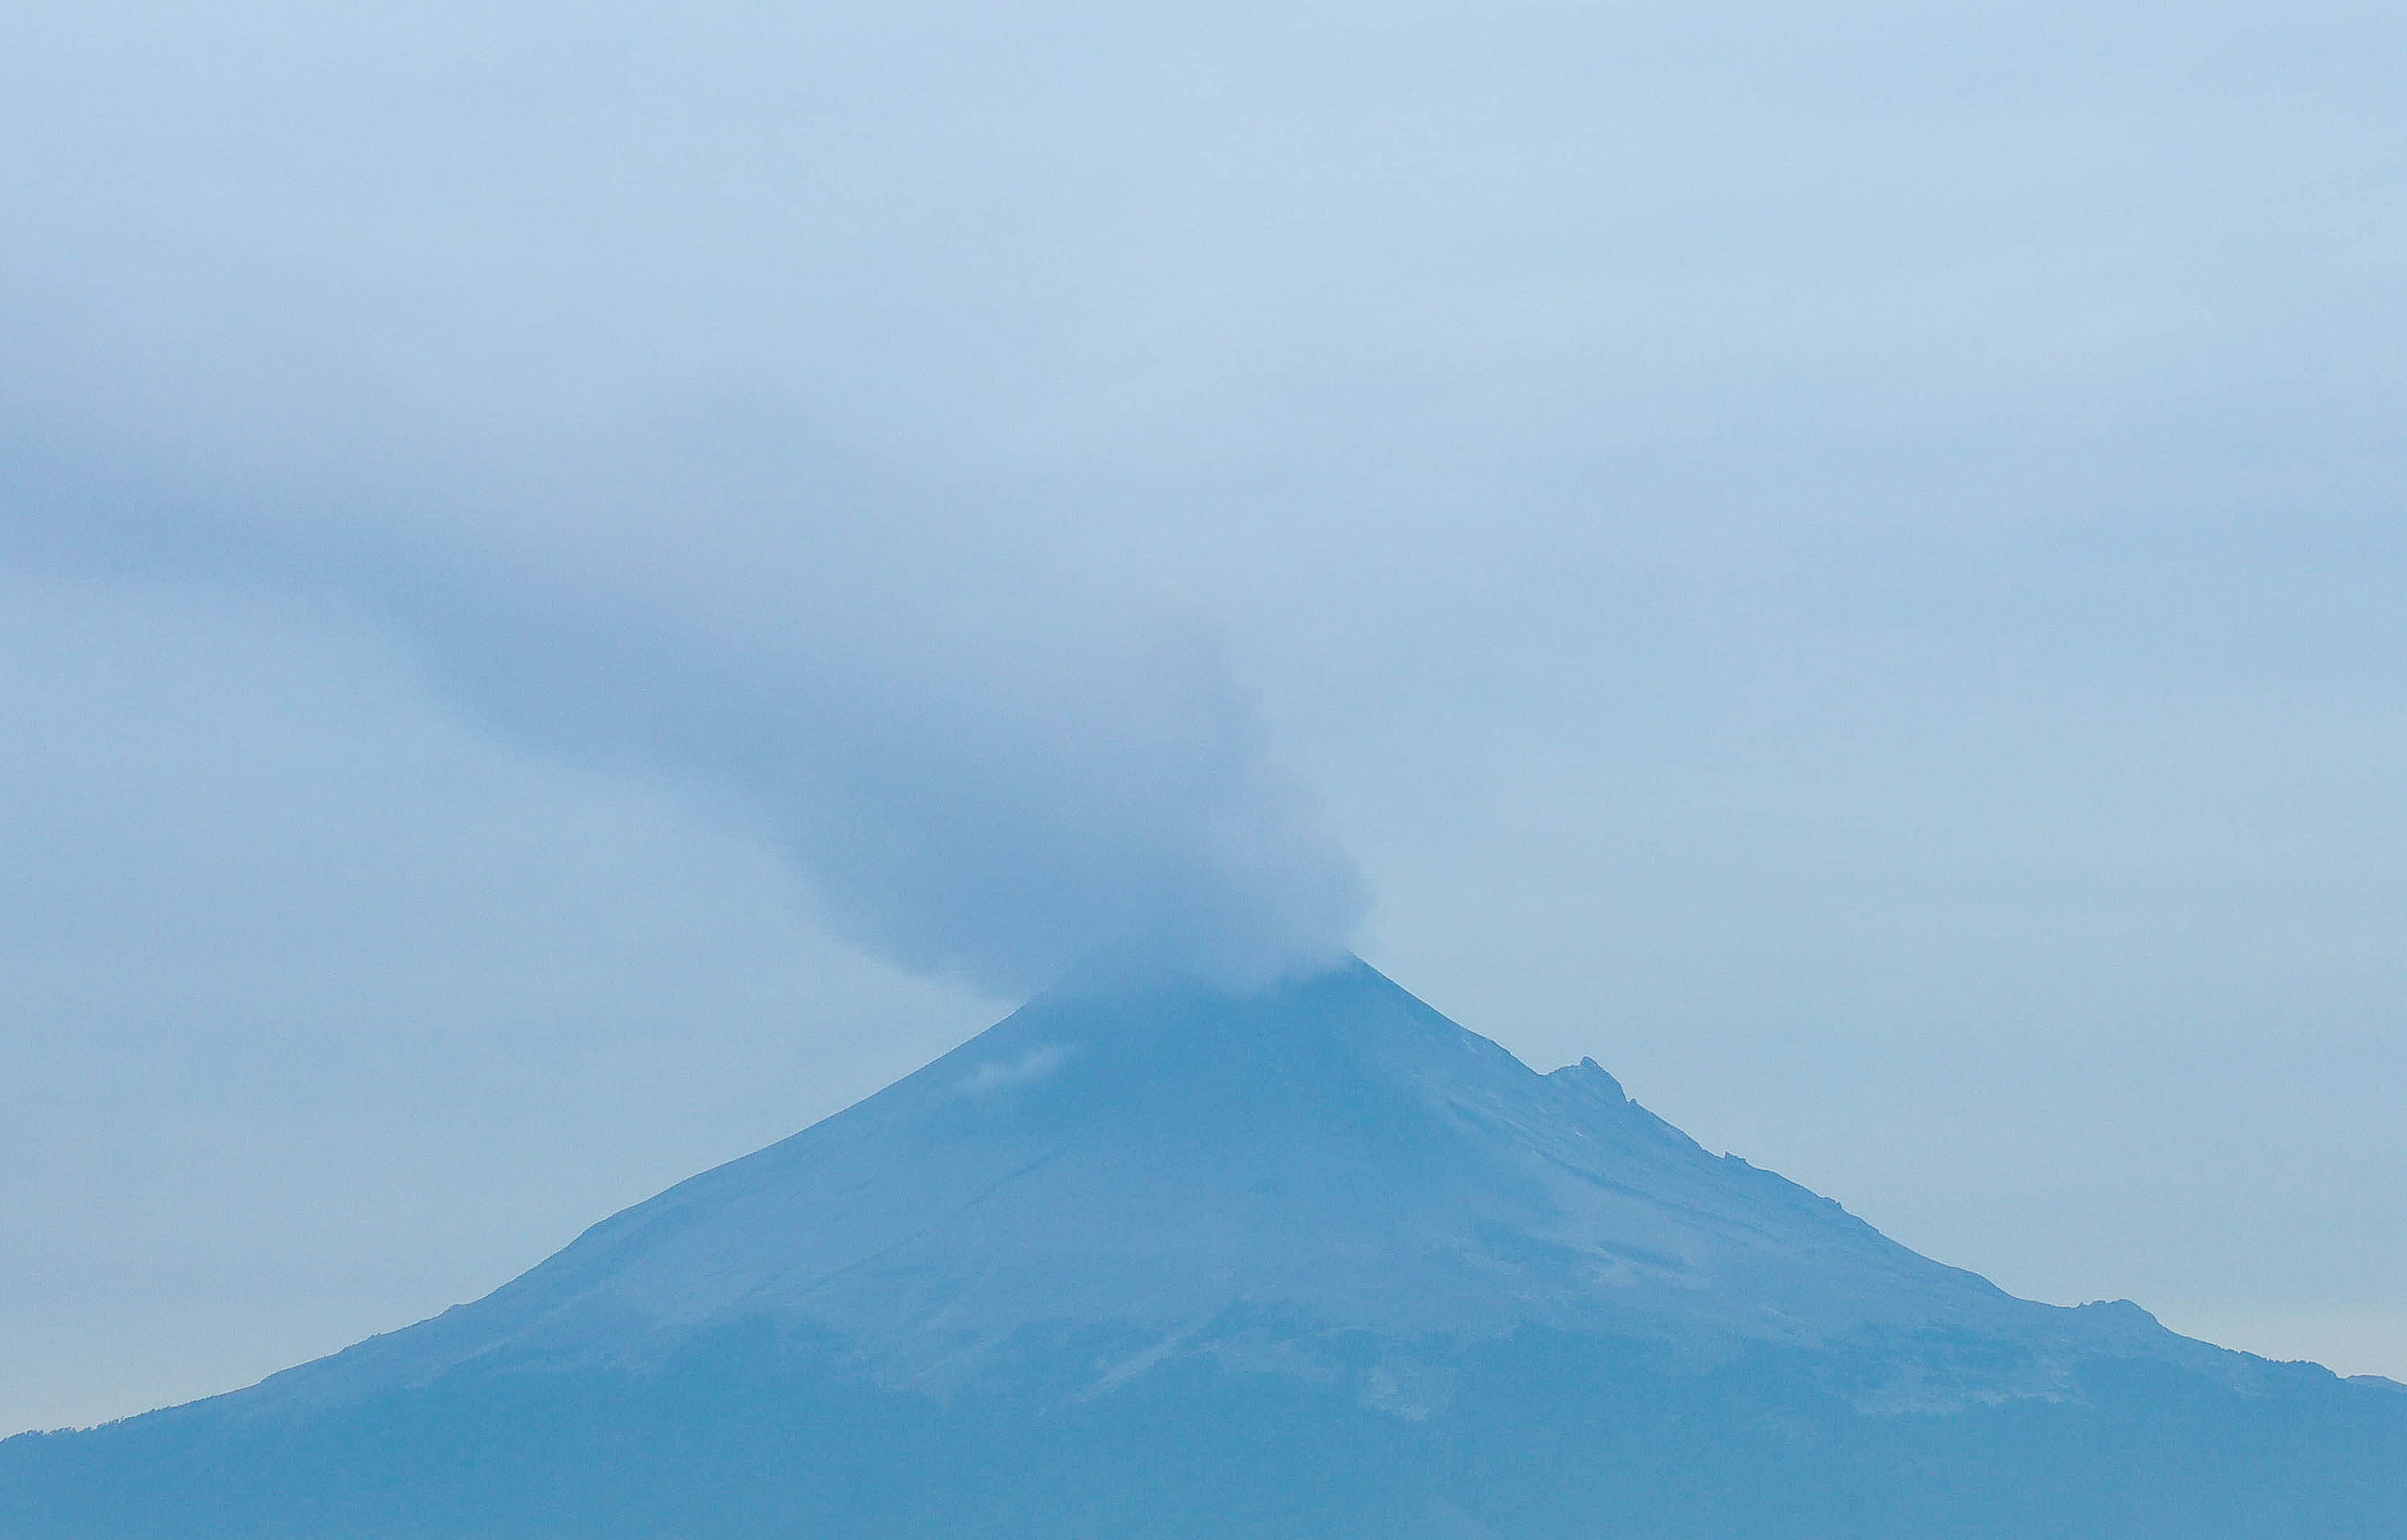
x: 978, y: 767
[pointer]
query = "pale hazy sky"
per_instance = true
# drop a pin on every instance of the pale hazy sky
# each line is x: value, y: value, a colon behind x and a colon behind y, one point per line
x: 580, y: 586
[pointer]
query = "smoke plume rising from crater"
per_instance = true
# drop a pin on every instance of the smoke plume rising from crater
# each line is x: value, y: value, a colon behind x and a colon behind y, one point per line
x: 979, y: 769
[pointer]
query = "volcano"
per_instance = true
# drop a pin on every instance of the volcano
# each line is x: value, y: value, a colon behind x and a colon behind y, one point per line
x: 1150, y: 1259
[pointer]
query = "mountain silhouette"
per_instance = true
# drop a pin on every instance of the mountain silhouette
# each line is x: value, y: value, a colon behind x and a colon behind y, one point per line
x: 1151, y: 1259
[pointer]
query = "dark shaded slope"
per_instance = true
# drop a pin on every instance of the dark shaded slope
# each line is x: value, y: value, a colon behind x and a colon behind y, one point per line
x: 1546, y: 1437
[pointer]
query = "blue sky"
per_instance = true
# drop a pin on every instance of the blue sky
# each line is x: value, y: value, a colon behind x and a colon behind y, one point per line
x: 579, y: 587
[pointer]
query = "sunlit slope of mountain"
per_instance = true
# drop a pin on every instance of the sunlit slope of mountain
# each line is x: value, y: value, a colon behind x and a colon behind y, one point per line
x: 1145, y: 1259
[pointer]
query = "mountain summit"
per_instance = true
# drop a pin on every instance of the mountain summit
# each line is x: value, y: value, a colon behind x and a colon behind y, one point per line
x: 1147, y: 1258
x: 1170, y: 1167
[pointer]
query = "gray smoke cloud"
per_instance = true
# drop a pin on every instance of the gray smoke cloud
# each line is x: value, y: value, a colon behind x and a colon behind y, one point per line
x: 836, y: 409
x: 980, y: 768
x: 622, y: 402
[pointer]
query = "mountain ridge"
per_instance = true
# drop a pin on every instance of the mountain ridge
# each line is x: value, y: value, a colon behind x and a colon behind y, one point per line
x: 1146, y: 1259
x: 1369, y: 1164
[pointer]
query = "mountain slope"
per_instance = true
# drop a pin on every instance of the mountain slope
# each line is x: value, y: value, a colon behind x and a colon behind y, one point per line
x: 1149, y: 1159
x: 1374, y: 1273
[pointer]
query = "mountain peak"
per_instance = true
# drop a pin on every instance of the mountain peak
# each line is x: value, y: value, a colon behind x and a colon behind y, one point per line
x: 1153, y: 1158
x: 1155, y: 1257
